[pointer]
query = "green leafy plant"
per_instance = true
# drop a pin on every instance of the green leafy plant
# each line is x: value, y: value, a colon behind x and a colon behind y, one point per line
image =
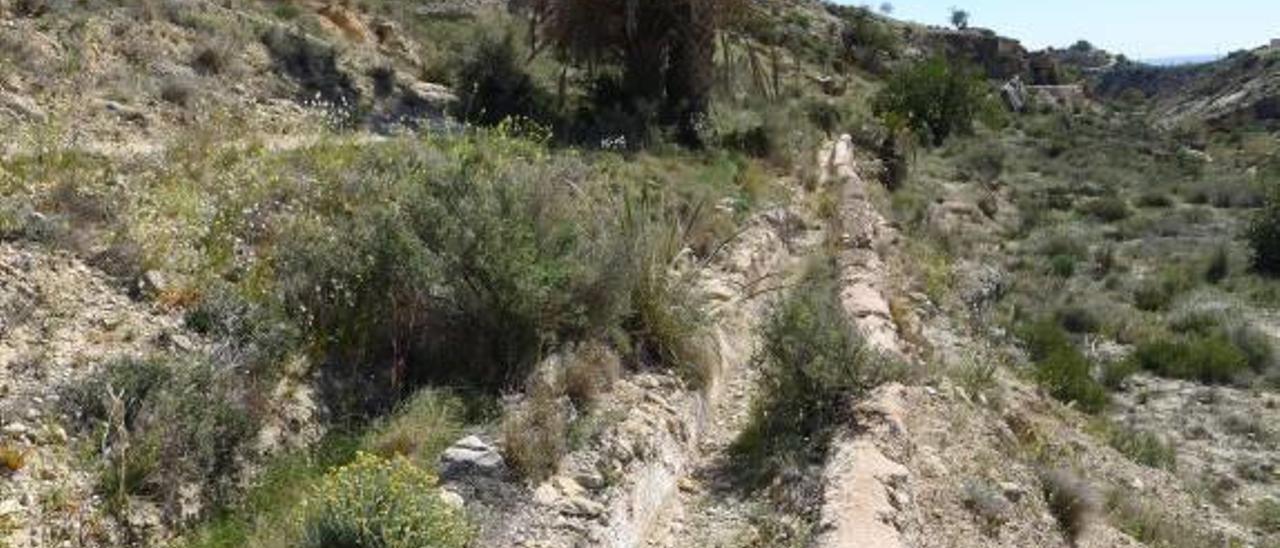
x: 1208, y: 358
x: 375, y: 502
x: 1263, y: 235
x: 1061, y: 368
x: 934, y: 98
x: 813, y: 363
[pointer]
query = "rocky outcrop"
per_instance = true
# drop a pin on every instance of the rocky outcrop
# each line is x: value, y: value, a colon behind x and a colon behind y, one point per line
x: 1014, y: 95
x: 999, y: 58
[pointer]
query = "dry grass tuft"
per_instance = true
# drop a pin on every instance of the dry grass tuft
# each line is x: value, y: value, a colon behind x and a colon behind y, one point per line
x: 589, y: 371
x: 535, y: 435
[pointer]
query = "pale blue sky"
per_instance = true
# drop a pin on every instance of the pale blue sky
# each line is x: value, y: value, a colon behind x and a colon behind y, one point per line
x: 1141, y: 29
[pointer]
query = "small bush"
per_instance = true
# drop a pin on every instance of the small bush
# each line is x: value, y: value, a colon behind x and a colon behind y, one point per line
x: 375, y: 502
x: 1116, y: 372
x: 1071, y: 501
x: 984, y: 163
x: 589, y: 371
x: 1156, y: 295
x: 1208, y: 358
x: 174, y: 423
x: 1248, y: 426
x: 1105, y: 261
x: 420, y: 429
x: 1044, y: 338
x: 813, y: 363
x: 1061, y: 369
x: 1107, y: 210
x: 986, y: 503
x: 1154, y: 199
x: 976, y: 377
x: 536, y: 435
x: 666, y: 322
x: 1078, y: 319
x: 493, y: 86
x: 1263, y: 235
x: 1267, y: 515
x: 212, y: 59
x: 1149, y: 523
x: 1142, y: 447
x: 459, y: 262
x: 1064, y: 245
x: 1219, y: 265
x: 1062, y: 266
x: 823, y: 115
x: 1067, y: 377
x: 1152, y: 297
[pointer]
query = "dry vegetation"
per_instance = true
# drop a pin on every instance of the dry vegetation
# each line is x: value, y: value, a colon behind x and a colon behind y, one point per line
x: 322, y: 227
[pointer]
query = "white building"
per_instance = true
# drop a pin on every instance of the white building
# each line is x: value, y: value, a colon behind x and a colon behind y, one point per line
x: 1275, y: 43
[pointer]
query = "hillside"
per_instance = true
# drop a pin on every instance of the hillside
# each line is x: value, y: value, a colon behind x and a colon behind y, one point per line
x: 555, y: 273
x: 1239, y: 90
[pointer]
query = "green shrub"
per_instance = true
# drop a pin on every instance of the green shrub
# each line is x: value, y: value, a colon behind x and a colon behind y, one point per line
x: 1066, y: 375
x: 666, y: 322
x: 1114, y: 373
x: 987, y: 503
x: 493, y: 86
x: 1064, y: 245
x: 1062, y: 266
x: 1142, y: 447
x: 463, y: 260
x: 1154, y: 295
x: 744, y: 131
x: 1263, y: 235
x: 1078, y: 319
x: 380, y: 503
x: 813, y: 364
x: 823, y: 115
x: 1107, y: 210
x: 984, y: 163
x: 1256, y: 345
x: 1061, y: 368
x: 867, y: 41
x: 1250, y: 426
x: 171, y: 424
x: 1219, y: 265
x: 1267, y: 515
x: 1154, y: 199
x: 1043, y: 338
x: 1198, y: 321
x: 1209, y: 358
x: 933, y: 98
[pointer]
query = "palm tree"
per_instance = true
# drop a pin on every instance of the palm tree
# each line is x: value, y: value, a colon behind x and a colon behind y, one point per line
x: 664, y: 47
